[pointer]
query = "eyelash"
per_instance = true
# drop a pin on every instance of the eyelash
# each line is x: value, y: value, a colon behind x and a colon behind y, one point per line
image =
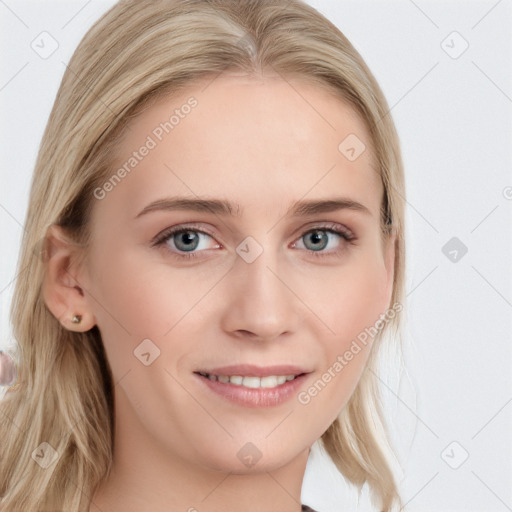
x: 162, y: 238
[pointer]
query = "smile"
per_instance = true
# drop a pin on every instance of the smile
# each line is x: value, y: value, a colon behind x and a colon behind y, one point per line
x: 270, y: 381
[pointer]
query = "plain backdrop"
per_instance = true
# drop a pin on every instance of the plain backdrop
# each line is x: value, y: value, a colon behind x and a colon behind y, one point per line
x: 446, y: 70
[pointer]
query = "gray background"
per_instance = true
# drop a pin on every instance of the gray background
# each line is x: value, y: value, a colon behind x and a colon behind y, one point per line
x: 452, y: 106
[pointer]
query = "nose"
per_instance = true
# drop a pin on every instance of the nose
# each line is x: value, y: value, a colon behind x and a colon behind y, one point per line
x: 260, y: 301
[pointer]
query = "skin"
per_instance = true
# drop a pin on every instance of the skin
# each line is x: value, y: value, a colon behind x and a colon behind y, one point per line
x: 264, y: 144
x: 6, y: 369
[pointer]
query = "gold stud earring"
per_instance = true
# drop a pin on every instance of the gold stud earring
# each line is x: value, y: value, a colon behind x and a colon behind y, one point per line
x: 77, y: 319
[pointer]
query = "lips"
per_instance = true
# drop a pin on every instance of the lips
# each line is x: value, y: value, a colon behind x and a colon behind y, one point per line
x: 251, y: 376
x: 270, y: 381
x: 249, y: 370
x: 254, y: 386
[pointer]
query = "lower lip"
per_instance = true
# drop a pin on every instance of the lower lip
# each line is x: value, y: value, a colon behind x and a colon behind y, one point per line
x: 255, y: 397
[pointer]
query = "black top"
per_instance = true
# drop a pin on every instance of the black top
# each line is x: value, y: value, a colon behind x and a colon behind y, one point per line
x: 305, y: 508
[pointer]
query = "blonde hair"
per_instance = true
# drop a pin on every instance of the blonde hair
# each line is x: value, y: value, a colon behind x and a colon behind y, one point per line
x: 135, y: 53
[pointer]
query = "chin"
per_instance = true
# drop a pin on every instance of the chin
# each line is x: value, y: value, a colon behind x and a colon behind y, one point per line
x: 245, y: 458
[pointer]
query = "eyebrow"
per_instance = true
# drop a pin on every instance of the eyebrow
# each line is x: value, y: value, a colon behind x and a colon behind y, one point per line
x: 223, y: 207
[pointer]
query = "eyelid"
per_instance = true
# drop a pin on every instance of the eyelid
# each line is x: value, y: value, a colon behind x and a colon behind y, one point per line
x: 312, y: 226
x: 180, y: 227
x: 328, y: 225
x: 340, y: 229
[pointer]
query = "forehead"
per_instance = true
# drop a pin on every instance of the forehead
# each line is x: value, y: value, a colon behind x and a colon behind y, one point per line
x: 260, y: 141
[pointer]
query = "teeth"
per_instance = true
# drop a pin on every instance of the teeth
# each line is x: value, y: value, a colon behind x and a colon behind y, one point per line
x: 270, y: 381
x: 251, y: 382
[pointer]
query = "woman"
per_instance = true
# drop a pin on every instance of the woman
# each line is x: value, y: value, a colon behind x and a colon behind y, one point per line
x: 218, y: 211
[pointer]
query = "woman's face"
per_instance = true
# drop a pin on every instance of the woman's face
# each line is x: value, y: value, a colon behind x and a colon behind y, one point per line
x: 264, y: 287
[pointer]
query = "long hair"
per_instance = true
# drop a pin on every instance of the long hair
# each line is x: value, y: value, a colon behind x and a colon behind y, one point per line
x: 57, y: 423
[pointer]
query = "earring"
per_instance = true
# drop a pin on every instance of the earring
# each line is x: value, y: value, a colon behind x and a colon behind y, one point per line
x: 77, y: 319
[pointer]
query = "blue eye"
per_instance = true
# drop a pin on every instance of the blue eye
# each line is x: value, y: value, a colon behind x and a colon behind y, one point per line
x: 184, y: 241
x: 320, y: 238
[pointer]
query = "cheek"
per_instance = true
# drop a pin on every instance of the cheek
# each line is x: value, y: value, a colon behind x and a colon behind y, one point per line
x: 136, y: 297
x: 131, y: 292
x: 127, y: 303
x: 355, y: 301
x: 356, y: 296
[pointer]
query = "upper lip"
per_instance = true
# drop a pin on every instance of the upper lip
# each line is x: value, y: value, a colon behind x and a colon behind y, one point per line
x: 250, y: 370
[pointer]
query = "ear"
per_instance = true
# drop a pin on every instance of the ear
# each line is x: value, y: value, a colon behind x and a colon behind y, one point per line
x: 62, y: 292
